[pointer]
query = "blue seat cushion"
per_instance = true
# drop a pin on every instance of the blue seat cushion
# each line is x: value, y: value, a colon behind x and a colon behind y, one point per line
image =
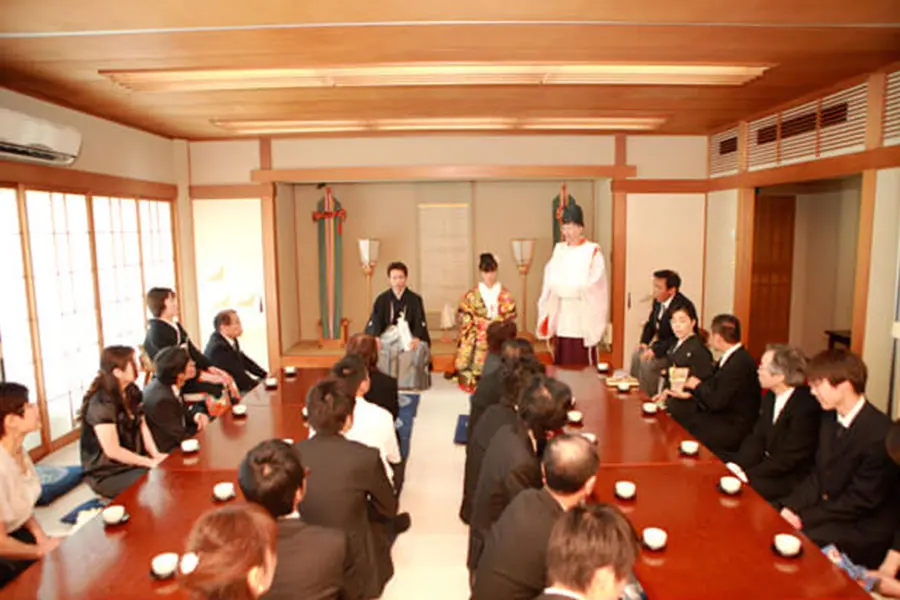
x: 56, y: 481
x: 461, y: 436
x: 72, y: 516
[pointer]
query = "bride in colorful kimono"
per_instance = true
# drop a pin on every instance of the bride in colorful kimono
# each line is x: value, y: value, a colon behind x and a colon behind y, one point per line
x: 482, y: 305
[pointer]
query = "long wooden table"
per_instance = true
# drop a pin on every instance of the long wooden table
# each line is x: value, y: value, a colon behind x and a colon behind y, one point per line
x: 719, y: 546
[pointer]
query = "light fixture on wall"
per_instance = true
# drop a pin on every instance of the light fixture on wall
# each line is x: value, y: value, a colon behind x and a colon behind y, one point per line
x: 436, y: 74
x: 523, y: 253
x: 368, y: 258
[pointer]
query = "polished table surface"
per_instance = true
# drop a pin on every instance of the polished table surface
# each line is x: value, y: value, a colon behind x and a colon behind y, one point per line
x: 719, y: 547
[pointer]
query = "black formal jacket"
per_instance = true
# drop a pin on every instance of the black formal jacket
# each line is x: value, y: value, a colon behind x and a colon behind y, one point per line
x: 313, y: 563
x: 777, y: 456
x: 495, y: 418
x: 661, y: 329
x: 234, y: 362
x: 348, y: 490
x: 693, y: 354
x: 510, y: 466
x: 162, y: 335
x: 513, y: 564
x: 545, y: 596
x: 410, y: 303
x: 727, y: 404
x: 489, y: 391
x: 168, y: 417
x: 384, y: 392
x: 853, y: 483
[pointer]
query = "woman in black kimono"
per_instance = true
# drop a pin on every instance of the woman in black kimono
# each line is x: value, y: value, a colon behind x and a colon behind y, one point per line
x: 689, y: 352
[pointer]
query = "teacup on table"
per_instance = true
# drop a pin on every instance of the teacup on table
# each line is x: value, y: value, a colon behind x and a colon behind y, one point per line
x: 113, y: 514
x: 271, y: 383
x: 603, y: 367
x: 189, y: 446
x: 730, y: 484
x: 624, y: 387
x: 163, y: 565
x: 289, y: 441
x: 290, y: 371
x: 239, y: 410
x: 690, y: 447
x: 649, y: 408
x: 655, y: 538
x: 787, y: 545
x: 575, y: 416
x: 224, y: 491
x: 625, y: 489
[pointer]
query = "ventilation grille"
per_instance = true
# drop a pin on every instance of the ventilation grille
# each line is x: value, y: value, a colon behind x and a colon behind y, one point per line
x: 723, y: 153
x: 830, y: 126
x: 892, y: 110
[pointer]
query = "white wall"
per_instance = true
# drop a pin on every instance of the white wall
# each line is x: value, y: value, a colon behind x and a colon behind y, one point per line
x: 106, y: 147
x: 668, y: 157
x: 880, y: 312
x: 824, y: 270
x: 225, y: 162
x: 286, y: 252
x: 721, y: 232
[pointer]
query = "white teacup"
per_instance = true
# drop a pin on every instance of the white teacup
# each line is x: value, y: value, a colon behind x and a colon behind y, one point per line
x: 190, y: 445
x: 224, y: 490
x: 690, y: 447
x: 164, y: 565
x: 626, y: 490
x: 655, y: 538
x: 730, y: 484
x: 290, y: 371
x: 113, y: 514
x: 589, y: 436
x: 650, y: 408
x: 239, y: 410
x: 289, y: 441
x: 787, y: 544
x: 305, y: 412
x: 623, y: 386
x: 575, y: 416
x: 603, y: 367
x: 271, y: 382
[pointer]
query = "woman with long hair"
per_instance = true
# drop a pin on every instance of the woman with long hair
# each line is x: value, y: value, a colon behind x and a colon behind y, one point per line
x: 383, y: 389
x: 22, y: 540
x: 230, y: 554
x: 484, y: 304
x: 116, y: 444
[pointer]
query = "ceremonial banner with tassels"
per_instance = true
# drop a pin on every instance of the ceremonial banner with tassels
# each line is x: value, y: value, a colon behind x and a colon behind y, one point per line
x: 557, y: 212
x: 330, y: 217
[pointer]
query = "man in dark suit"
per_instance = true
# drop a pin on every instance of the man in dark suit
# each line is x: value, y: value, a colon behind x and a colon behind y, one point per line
x: 591, y: 554
x: 657, y: 338
x: 348, y: 488
x: 781, y: 449
x: 491, y: 387
x: 224, y: 351
x: 397, y: 300
x: 727, y: 404
x: 516, y: 372
x: 169, y: 418
x: 887, y: 583
x: 164, y: 331
x: 849, y: 498
x: 313, y: 562
x: 513, y: 565
x: 511, y: 463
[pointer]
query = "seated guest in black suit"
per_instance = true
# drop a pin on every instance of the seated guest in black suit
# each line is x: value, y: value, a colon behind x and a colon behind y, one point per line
x: 515, y: 373
x: 657, y: 337
x: 781, y: 450
x: 849, y: 497
x: 490, y: 386
x: 170, y: 419
x: 230, y: 553
x: 513, y: 565
x: 689, y: 352
x: 313, y: 561
x: 347, y: 487
x: 117, y: 447
x: 511, y: 463
x: 591, y: 553
x: 224, y: 352
x: 886, y: 575
x: 383, y: 390
x: 728, y: 402
x: 22, y: 539
x: 164, y: 331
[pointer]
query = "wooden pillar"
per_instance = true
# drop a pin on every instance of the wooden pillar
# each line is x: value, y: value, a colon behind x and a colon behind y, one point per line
x: 270, y: 273
x: 619, y: 249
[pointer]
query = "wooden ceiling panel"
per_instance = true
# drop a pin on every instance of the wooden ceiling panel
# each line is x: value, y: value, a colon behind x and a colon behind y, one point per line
x: 26, y: 16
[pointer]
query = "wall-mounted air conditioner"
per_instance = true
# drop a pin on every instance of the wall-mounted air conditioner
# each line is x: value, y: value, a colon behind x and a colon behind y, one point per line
x: 29, y: 139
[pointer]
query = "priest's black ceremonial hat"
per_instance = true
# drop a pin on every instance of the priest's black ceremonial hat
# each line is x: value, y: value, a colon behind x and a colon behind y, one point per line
x: 572, y: 213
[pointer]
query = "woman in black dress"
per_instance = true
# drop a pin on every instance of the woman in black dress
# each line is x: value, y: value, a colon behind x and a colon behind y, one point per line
x: 116, y: 445
x: 689, y: 352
